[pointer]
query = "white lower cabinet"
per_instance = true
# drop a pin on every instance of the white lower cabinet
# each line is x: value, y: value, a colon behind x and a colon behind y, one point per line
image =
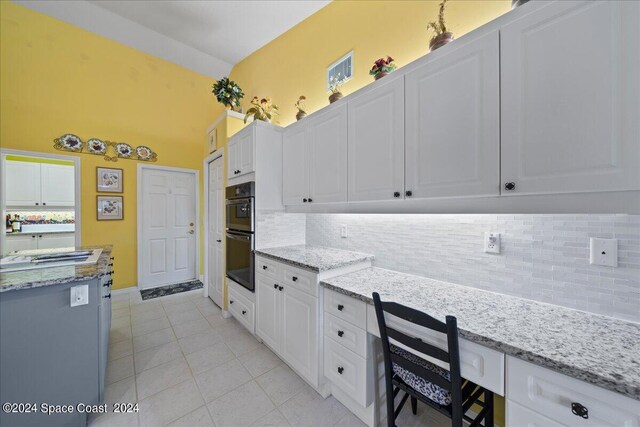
x: 563, y: 400
x: 57, y: 240
x: 519, y: 416
x: 22, y: 242
x: 241, y: 306
x: 268, y: 302
x: 347, y: 371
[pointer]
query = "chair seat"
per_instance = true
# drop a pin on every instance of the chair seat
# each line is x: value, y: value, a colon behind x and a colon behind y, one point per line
x: 428, y: 389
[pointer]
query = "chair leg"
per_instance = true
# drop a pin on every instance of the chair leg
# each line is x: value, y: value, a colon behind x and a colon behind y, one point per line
x: 488, y: 400
x: 414, y: 405
x: 391, y: 418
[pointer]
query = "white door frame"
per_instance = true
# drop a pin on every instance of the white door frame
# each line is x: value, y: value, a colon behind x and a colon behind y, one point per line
x: 77, y: 184
x: 196, y: 174
x: 219, y: 153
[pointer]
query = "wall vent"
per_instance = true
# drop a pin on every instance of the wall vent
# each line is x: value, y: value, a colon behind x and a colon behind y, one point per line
x: 342, y: 67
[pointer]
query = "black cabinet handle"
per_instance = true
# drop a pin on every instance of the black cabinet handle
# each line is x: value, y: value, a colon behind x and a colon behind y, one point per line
x: 110, y: 264
x: 294, y: 278
x: 310, y: 200
x: 37, y: 203
x: 408, y: 193
x: 510, y: 186
x: 264, y: 267
x: 340, y: 333
x: 44, y: 204
x: 396, y: 194
x: 40, y: 235
x: 579, y: 410
x: 244, y: 312
x: 275, y: 286
x: 218, y: 240
x: 340, y: 307
x: 231, y: 301
x: 304, y: 200
x: 280, y: 288
x: 340, y: 370
x: 112, y: 258
x: 107, y: 296
x: 33, y: 237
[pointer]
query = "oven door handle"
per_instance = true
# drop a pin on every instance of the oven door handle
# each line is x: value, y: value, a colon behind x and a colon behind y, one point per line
x: 238, y: 236
x: 247, y: 201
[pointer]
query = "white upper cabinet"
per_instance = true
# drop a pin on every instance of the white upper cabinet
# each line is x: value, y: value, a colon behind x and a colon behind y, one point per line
x: 39, y: 184
x: 453, y: 122
x: 315, y: 159
x: 57, y: 185
x: 295, y: 171
x: 328, y: 156
x: 376, y: 142
x: 241, y: 153
x: 22, y: 183
x: 570, y: 75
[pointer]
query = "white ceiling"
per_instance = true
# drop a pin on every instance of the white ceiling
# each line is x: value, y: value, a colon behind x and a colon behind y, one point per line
x: 206, y: 36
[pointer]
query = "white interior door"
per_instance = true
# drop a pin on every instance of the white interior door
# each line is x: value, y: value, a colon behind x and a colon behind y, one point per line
x: 167, y: 220
x: 215, y: 269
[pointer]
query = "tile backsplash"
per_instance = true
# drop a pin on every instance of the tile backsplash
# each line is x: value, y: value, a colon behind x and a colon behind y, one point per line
x: 276, y: 228
x: 543, y: 257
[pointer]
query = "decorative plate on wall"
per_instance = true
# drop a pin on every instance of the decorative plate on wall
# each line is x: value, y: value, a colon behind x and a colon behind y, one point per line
x: 144, y: 153
x: 124, y: 150
x: 70, y: 142
x: 96, y: 146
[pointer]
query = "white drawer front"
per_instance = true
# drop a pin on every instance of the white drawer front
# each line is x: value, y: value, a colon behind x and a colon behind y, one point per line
x: 519, y: 416
x: 480, y: 364
x: 242, y: 309
x: 347, y: 308
x: 347, y: 371
x: 343, y: 332
x: 269, y: 267
x: 301, y: 280
x: 550, y: 393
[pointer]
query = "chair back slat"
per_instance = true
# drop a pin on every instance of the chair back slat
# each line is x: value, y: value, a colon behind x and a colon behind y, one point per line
x: 418, y: 345
x: 414, y: 316
x: 421, y: 371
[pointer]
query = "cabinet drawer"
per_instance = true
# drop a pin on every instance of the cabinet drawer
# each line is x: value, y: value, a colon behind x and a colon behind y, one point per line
x: 301, y: 280
x: 552, y: 394
x: 480, y: 364
x: 268, y: 267
x: 519, y: 416
x: 242, y: 309
x: 347, y: 371
x: 348, y: 335
x: 347, y: 308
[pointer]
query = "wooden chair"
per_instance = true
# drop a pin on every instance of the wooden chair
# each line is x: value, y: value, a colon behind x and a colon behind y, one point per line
x: 443, y: 390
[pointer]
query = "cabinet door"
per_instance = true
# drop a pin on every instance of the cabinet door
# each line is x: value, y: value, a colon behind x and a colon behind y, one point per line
x: 376, y: 143
x: 245, y: 153
x: 22, y: 183
x: 22, y: 242
x: 295, y: 171
x: 453, y: 122
x: 57, y: 240
x: 327, y: 139
x: 57, y: 185
x: 268, y: 321
x: 232, y: 159
x: 300, y: 333
x: 519, y: 416
x: 570, y: 86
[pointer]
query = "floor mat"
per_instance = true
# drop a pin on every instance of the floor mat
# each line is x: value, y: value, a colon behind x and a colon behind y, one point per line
x: 171, y: 289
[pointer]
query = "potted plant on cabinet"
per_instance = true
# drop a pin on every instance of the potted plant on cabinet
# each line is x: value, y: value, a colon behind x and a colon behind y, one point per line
x: 300, y: 105
x: 382, y: 67
x: 442, y: 36
x: 262, y: 109
x: 228, y: 93
x: 335, y: 83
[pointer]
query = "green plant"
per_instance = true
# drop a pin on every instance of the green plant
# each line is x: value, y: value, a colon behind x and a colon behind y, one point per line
x: 336, y: 82
x: 300, y: 104
x: 262, y: 109
x: 228, y: 93
x: 382, y: 66
x: 439, y: 27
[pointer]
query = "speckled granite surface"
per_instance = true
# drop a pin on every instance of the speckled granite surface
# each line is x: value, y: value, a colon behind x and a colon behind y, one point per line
x: 596, y: 349
x: 314, y: 258
x: 27, y: 279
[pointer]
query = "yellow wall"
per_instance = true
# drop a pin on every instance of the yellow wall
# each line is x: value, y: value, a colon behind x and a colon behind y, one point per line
x: 295, y: 63
x: 56, y: 78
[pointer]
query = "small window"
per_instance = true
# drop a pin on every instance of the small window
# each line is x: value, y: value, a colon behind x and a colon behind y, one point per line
x: 342, y: 67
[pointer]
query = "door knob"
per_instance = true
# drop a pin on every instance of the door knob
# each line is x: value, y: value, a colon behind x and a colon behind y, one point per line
x: 191, y: 224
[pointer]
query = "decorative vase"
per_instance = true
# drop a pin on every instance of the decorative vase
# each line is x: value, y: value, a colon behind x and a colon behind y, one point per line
x: 300, y: 115
x: 334, y: 97
x: 380, y: 75
x: 516, y: 3
x: 237, y: 109
x: 440, y: 40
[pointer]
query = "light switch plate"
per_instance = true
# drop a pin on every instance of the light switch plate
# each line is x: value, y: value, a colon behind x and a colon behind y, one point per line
x: 603, y: 252
x: 79, y: 295
x: 492, y: 243
x: 343, y: 231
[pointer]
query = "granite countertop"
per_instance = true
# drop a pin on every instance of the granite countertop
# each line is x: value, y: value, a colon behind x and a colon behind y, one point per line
x: 314, y: 258
x: 27, y: 279
x: 600, y: 350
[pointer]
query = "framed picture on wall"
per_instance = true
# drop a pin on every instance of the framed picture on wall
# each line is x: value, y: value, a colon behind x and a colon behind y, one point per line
x: 110, y: 208
x: 213, y: 140
x: 109, y: 180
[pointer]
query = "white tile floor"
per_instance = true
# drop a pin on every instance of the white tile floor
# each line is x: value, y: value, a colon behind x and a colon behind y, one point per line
x: 187, y: 366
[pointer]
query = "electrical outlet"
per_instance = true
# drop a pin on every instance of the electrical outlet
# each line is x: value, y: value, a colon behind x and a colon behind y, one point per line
x: 343, y: 231
x: 79, y: 295
x: 603, y: 252
x: 492, y: 243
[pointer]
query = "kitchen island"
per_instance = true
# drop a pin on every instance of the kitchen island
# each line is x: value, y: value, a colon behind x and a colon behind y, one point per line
x: 54, y: 335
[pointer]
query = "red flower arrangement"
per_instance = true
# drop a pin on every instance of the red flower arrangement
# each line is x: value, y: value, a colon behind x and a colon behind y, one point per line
x: 382, y: 67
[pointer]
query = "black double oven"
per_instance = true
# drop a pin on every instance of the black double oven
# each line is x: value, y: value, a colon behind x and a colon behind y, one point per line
x: 240, y: 234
